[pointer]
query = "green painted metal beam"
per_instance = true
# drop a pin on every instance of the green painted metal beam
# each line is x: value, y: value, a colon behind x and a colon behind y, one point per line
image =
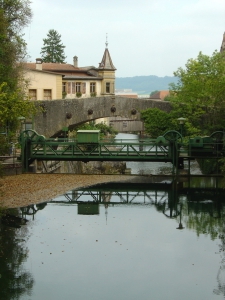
x: 163, y: 149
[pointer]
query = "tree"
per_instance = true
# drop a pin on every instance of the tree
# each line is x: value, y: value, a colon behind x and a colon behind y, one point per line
x: 7, y: 54
x: 53, y: 49
x: 156, y: 121
x: 17, y: 14
x: 14, y: 15
x: 13, y: 105
x: 154, y: 92
x: 199, y: 94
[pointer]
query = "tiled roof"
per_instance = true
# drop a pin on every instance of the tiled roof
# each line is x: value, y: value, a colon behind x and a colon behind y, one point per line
x: 53, y: 67
x: 67, y: 70
x: 81, y: 77
x: 160, y: 95
x: 44, y: 71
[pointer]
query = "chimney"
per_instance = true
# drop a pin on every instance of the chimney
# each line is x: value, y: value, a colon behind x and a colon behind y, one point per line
x: 75, y: 61
x: 38, y: 64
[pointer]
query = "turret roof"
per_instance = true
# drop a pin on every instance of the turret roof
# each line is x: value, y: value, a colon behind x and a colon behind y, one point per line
x: 106, y: 62
x: 222, y: 48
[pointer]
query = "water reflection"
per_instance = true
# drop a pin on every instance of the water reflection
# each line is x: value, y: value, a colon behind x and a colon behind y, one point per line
x: 155, y: 212
x: 15, y: 280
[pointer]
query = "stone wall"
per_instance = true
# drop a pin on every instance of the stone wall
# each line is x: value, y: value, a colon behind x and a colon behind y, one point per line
x: 56, y: 114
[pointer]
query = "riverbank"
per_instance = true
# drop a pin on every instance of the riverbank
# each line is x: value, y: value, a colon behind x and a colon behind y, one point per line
x: 27, y: 189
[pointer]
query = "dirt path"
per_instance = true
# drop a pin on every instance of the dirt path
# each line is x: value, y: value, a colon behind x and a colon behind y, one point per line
x: 26, y: 189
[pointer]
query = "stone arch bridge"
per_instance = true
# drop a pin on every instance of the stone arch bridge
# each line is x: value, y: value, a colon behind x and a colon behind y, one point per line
x: 55, y: 115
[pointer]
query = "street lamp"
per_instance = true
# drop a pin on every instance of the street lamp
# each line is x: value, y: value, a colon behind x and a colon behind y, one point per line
x: 180, y: 226
x: 22, y: 120
x: 181, y: 122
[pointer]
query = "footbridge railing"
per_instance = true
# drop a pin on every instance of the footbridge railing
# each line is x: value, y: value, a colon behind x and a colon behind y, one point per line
x: 167, y: 148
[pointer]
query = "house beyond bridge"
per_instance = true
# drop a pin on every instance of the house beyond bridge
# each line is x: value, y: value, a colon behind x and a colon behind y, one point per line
x: 51, y: 81
x: 70, y: 95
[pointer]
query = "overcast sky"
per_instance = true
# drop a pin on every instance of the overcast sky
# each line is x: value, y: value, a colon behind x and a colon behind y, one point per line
x: 145, y: 37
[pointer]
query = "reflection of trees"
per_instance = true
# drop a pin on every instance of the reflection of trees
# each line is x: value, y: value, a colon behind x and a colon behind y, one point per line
x: 207, y: 217
x: 204, y: 217
x: 221, y: 273
x: 14, y: 280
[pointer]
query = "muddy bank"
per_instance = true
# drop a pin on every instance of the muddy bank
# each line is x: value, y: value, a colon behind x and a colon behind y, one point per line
x: 26, y: 189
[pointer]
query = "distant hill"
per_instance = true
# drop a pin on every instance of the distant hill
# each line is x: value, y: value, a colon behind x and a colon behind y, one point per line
x: 144, y: 84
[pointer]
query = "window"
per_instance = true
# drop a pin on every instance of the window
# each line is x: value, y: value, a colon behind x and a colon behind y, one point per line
x: 84, y: 87
x: 47, y: 94
x: 92, y: 87
x: 33, y: 94
x: 78, y: 87
x: 28, y: 126
x: 64, y: 87
x: 71, y: 88
x: 107, y: 87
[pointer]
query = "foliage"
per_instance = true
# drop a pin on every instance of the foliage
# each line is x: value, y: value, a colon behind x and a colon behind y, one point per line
x: 156, y: 121
x: 7, y: 55
x: 93, y: 94
x: 198, y: 217
x: 14, y: 16
x: 16, y: 282
x: 4, y: 146
x: 104, y: 129
x: 200, y: 92
x: 12, y: 106
x: 154, y: 92
x: 64, y: 94
x: 53, y: 49
x: 78, y: 94
x: 210, y: 166
x: 17, y: 14
x: 198, y: 96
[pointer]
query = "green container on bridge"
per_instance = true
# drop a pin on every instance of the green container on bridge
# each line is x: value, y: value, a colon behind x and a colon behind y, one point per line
x: 88, y: 136
x: 196, y: 142
x: 88, y: 209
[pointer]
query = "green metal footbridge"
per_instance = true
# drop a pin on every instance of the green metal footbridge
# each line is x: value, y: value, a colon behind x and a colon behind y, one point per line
x: 88, y: 146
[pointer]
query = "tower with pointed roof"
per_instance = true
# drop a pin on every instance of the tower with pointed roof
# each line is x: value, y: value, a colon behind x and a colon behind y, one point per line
x: 222, y: 48
x: 106, y: 70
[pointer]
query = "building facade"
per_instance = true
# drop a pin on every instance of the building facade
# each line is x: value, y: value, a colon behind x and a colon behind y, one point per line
x: 56, y: 81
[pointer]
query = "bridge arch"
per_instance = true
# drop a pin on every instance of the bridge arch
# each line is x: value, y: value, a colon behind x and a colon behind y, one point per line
x: 56, y: 114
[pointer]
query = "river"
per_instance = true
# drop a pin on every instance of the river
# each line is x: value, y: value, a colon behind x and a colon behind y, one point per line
x: 117, y: 241
x: 154, y: 168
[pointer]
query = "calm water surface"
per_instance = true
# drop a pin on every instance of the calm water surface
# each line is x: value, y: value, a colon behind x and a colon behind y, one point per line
x: 125, y: 247
x: 154, y: 168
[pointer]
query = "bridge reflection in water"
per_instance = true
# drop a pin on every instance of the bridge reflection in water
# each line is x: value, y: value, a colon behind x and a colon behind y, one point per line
x: 164, y: 196
x: 200, y: 211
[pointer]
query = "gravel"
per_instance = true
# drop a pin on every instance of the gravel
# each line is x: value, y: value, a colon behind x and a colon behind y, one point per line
x: 27, y: 189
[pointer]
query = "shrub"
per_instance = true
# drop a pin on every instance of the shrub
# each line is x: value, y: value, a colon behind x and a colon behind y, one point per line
x: 78, y: 94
